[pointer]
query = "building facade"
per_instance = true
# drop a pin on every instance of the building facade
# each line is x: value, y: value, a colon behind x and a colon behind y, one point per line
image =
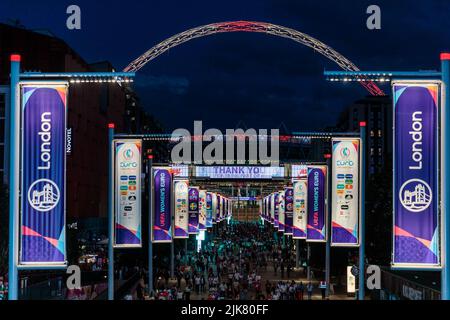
x: 377, y: 113
x: 90, y: 108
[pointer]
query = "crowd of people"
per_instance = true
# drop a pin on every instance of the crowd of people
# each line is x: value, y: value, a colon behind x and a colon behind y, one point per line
x: 3, y: 289
x: 230, y: 266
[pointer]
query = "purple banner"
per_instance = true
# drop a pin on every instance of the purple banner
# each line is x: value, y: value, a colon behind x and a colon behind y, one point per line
x: 42, y: 220
x: 162, y: 218
x: 416, y: 219
x: 193, y: 210
x: 316, y: 230
x: 209, y: 207
x: 275, y: 209
x: 288, y: 210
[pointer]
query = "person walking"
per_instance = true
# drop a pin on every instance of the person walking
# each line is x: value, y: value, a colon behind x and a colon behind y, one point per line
x: 310, y: 288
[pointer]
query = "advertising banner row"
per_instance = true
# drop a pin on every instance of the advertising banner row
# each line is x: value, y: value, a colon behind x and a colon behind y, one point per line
x: 302, y: 210
x: 178, y: 210
x: 193, y: 209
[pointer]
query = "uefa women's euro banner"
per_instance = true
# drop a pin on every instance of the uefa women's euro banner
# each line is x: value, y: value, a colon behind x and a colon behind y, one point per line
x: 181, y: 199
x: 416, y: 235
x: 276, y: 203
x: 288, y: 210
x: 162, y: 213
x: 345, y: 188
x: 43, y: 185
x: 193, y: 210
x: 202, y: 210
x: 317, y: 186
x: 299, y: 217
x: 209, y: 212
x: 127, y: 217
x: 281, y: 211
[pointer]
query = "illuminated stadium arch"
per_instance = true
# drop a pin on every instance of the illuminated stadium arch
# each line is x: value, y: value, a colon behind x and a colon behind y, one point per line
x: 250, y: 26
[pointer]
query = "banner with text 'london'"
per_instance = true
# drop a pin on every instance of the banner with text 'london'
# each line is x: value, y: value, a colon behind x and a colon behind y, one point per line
x: 316, y: 230
x: 345, y: 189
x: 416, y: 218
x: 127, y: 217
x: 42, y: 231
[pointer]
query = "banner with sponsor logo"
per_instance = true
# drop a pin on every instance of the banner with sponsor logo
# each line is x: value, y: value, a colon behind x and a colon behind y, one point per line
x: 162, y: 211
x: 127, y: 217
x: 193, y: 210
x: 43, y: 185
x: 288, y: 210
x: 181, y: 200
x: 202, y: 210
x: 214, y: 208
x: 209, y: 207
x: 271, y: 208
x: 416, y: 236
x: 281, y: 211
x: 299, y: 171
x: 300, y: 217
x: 345, y: 188
x: 317, y: 210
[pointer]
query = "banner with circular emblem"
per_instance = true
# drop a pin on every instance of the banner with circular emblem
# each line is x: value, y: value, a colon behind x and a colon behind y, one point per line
x: 416, y: 232
x: 43, y: 185
x: 345, y: 192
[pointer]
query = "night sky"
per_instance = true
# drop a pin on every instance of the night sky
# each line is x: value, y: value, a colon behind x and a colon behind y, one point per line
x: 258, y: 79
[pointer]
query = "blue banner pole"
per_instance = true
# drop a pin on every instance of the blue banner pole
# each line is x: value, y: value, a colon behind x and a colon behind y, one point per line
x: 111, y: 153
x: 328, y: 228
x: 14, y: 140
x: 150, y: 208
x: 362, y: 271
x: 445, y: 141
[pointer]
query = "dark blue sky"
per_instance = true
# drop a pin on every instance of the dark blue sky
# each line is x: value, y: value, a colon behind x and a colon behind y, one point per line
x: 259, y: 79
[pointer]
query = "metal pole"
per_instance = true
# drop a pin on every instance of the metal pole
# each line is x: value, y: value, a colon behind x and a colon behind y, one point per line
x: 308, y: 258
x: 110, y: 212
x: 14, y: 134
x: 297, y: 253
x: 445, y: 138
x: 362, y: 270
x: 150, y: 209
x: 172, y: 258
x: 328, y: 227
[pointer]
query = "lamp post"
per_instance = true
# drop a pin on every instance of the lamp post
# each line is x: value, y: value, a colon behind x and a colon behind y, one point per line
x: 445, y: 171
x: 110, y: 212
x: 14, y: 140
x: 150, y: 243
x: 328, y: 229
x: 362, y: 282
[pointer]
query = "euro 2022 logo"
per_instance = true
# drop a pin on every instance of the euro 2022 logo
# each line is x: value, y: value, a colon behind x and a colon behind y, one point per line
x: 128, y: 154
x: 43, y: 195
x: 345, y: 153
x: 415, y: 195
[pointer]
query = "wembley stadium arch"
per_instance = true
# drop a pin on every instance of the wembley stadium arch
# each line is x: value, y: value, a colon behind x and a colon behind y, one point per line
x: 252, y: 26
